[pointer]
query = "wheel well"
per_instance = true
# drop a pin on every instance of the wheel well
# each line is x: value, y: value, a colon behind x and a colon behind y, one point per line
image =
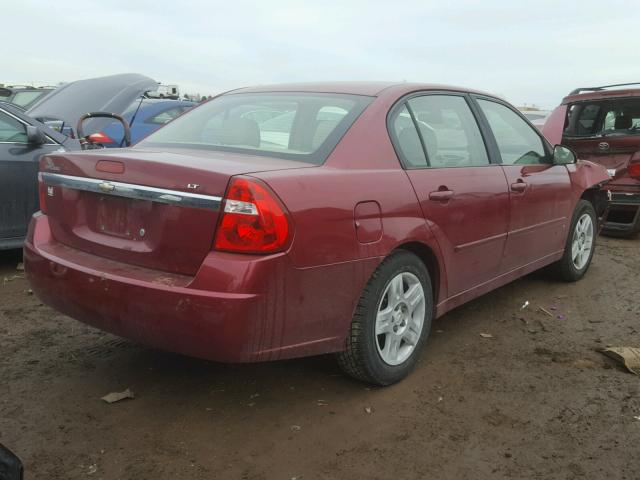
x: 598, y: 199
x: 424, y: 253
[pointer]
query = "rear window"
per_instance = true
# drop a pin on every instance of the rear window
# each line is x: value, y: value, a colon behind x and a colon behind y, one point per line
x: 606, y: 117
x: 297, y: 126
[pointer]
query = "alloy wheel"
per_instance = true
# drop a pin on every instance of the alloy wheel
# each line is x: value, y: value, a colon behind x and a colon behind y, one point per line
x: 582, y: 242
x: 400, y: 318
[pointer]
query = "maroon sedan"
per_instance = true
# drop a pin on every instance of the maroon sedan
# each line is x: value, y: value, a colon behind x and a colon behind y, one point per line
x: 295, y: 220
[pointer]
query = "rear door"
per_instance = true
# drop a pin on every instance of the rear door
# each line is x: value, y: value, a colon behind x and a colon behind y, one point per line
x: 464, y: 197
x: 18, y: 179
x: 540, y: 192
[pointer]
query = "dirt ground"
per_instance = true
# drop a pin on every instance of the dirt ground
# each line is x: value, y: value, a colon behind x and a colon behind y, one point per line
x: 536, y: 401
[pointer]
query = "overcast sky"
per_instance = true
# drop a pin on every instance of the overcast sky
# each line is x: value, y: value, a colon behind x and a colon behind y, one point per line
x: 532, y: 52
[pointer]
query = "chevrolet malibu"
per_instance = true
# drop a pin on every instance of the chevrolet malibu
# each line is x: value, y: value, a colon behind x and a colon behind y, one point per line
x: 294, y: 220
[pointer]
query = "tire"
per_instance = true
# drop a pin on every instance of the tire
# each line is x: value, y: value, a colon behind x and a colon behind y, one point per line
x: 369, y: 356
x: 571, y: 268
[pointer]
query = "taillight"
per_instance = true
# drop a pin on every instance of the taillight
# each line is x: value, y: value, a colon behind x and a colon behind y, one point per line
x: 100, y: 137
x: 253, y: 220
x: 634, y: 170
x: 42, y: 193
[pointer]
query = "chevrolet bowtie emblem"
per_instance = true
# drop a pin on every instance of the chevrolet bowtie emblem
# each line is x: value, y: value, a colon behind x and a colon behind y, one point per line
x: 106, y: 187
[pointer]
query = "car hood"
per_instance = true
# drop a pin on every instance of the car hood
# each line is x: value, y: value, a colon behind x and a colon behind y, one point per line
x: 112, y: 94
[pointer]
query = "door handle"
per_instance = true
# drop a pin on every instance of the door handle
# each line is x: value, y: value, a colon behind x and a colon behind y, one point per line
x: 519, y: 186
x: 441, y: 195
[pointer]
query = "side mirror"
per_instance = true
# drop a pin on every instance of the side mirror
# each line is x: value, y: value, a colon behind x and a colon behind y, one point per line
x: 5, y: 92
x: 563, y: 155
x: 10, y: 465
x: 35, y: 136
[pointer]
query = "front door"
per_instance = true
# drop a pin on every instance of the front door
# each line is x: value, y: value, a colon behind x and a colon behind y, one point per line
x: 464, y: 197
x: 18, y: 179
x: 540, y: 192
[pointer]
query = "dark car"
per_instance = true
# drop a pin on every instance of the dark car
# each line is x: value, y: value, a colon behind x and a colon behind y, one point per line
x: 25, y: 137
x: 23, y: 140
x: 23, y: 97
x: 602, y: 124
x: 345, y: 221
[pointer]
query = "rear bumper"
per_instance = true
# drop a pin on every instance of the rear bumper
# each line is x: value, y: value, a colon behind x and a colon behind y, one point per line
x: 624, y: 213
x: 238, y: 308
x: 11, y: 243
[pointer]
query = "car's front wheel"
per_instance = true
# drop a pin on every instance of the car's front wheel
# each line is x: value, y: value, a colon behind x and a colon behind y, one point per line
x: 581, y: 243
x: 391, y: 322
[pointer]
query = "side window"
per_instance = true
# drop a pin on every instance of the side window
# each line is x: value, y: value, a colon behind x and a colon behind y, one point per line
x: 449, y: 131
x: 23, y: 99
x: 11, y: 130
x: 518, y: 142
x: 408, y: 140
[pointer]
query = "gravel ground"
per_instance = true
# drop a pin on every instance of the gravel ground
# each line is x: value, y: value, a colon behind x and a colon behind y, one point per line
x: 536, y: 400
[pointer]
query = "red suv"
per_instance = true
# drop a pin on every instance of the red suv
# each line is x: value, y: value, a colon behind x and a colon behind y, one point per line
x: 602, y: 124
x: 295, y: 220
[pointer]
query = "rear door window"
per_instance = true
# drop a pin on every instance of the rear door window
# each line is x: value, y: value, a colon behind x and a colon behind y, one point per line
x: 438, y: 131
x: 518, y: 142
x: 449, y: 131
x: 407, y: 140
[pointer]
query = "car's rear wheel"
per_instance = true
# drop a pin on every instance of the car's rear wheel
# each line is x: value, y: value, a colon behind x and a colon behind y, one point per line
x: 391, y: 322
x: 581, y: 243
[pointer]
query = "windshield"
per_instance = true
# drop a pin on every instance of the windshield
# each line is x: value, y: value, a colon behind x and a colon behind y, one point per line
x: 296, y: 126
x: 23, y: 99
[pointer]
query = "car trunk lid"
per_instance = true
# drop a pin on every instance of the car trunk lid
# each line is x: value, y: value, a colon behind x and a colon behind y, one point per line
x: 112, y: 94
x: 156, y: 209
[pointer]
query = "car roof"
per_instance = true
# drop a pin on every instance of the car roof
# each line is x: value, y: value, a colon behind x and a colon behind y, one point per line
x: 601, y: 95
x: 371, y: 89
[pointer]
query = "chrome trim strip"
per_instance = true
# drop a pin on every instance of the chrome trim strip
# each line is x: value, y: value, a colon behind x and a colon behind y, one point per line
x: 129, y: 190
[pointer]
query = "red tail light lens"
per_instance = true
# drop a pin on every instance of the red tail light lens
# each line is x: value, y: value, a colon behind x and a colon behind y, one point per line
x: 634, y: 170
x: 253, y: 221
x: 42, y: 194
x: 100, y: 137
